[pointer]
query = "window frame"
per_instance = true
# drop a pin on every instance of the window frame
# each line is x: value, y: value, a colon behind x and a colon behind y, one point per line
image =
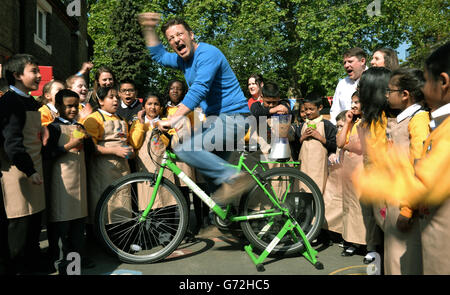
x: 40, y: 35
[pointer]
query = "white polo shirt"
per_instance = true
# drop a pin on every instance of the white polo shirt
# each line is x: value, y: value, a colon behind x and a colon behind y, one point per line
x: 342, y: 99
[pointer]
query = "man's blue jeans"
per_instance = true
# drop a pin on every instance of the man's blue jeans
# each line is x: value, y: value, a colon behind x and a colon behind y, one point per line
x: 209, y: 149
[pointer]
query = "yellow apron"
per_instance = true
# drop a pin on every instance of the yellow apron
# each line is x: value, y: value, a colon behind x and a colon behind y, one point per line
x: 20, y: 196
x: 68, y: 194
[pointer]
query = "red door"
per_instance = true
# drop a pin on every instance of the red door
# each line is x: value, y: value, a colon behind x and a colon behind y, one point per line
x: 47, y: 76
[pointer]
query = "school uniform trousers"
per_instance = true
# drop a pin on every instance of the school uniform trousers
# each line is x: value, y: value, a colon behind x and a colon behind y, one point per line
x: 4, y: 249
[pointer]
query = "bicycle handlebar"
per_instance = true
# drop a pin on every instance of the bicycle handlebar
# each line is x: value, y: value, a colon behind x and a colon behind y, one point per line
x: 158, y: 132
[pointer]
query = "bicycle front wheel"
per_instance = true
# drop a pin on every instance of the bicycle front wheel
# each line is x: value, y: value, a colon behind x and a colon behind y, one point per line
x: 293, y: 190
x: 119, y: 224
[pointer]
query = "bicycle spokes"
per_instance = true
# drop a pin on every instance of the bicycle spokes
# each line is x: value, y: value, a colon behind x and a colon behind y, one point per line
x: 135, y: 238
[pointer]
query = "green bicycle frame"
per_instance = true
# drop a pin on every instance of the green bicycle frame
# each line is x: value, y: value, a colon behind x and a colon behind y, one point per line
x: 168, y: 162
x: 289, y: 226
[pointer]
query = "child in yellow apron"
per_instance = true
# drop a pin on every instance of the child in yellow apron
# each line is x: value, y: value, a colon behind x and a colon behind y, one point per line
x: 152, y: 148
x: 110, y: 135
x: 66, y: 182
x: 48, y: 111
x: 402, y: 247
x: 435, y: 225
x: 353, y: 227
x: 177, y: 91
x: 140, y: 138
x: 424, y: 186
x: 176, y: 94
x: 372, y: 132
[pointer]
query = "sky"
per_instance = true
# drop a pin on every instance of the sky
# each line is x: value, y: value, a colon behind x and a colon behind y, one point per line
x: 401, y: 50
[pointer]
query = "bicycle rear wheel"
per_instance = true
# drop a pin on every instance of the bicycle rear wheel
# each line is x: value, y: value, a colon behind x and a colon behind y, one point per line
x: 118, y: 216
x: 294, y: 190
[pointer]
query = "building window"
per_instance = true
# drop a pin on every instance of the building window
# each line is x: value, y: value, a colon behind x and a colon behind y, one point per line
x: 41, y: 25
x: 43, y: 9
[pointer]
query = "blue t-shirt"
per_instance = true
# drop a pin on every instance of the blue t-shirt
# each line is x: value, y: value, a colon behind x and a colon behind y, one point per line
x: 212, y: 83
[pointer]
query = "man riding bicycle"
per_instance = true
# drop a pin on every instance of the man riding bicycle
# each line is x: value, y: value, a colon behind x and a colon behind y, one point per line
x: 214, y: 87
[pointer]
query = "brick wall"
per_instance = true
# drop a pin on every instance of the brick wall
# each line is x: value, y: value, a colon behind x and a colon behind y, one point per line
x: 9, y: 42
x: 69, y: 49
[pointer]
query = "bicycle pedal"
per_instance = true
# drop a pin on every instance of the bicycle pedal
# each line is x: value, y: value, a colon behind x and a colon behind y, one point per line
x: 224, y: 224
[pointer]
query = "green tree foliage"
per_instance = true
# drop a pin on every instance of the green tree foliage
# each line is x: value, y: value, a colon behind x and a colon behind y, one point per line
x: 114, y: 28
x: 296, y: 43
x: 99, y: 28
x: 429, y: 27
x: 130, y: 59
